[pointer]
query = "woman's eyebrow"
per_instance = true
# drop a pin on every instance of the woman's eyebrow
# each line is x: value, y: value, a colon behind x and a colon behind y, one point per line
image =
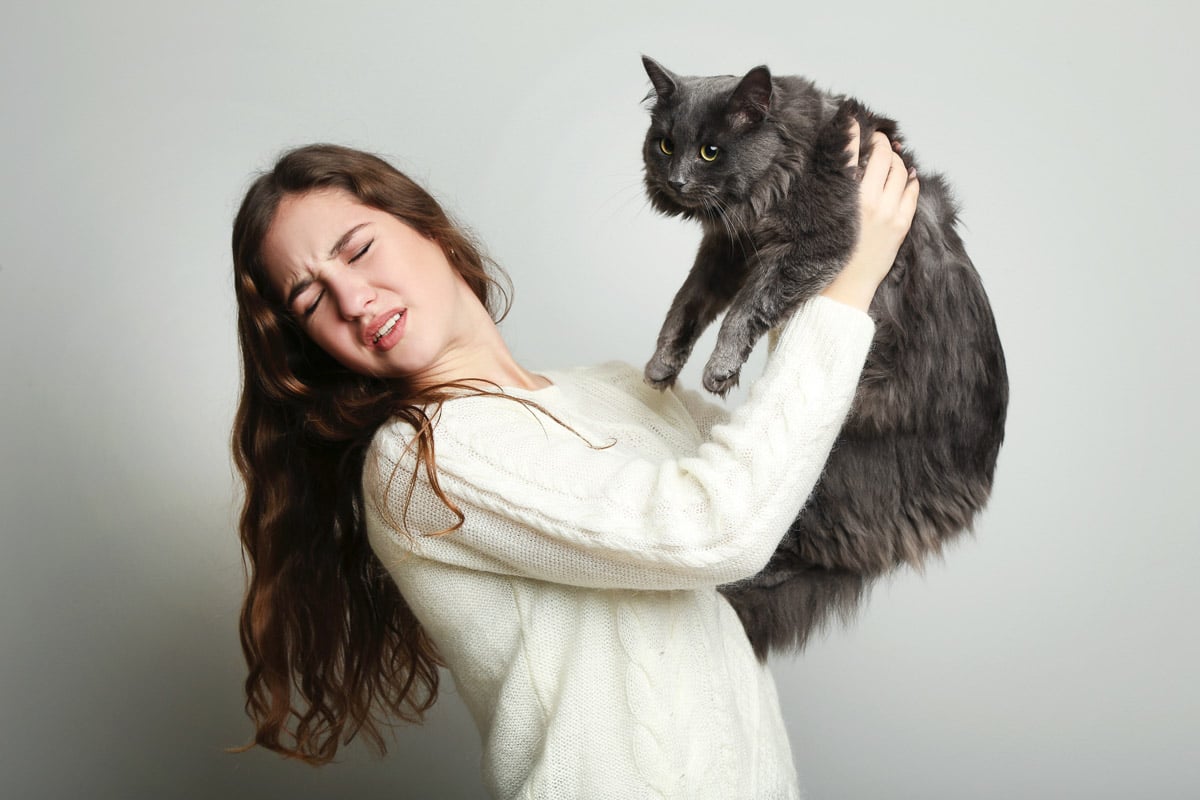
x: 342, y: 242
x: 297, y: 289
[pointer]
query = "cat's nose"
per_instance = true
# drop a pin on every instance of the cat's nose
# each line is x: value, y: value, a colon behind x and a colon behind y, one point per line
x: 678, y: 185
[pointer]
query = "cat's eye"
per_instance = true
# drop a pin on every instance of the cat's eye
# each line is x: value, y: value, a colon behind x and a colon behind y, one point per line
x: 708, y: 152
x: 666, y: 145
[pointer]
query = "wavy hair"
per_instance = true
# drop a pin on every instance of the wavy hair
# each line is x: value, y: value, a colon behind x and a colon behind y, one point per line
x: 332, y: 647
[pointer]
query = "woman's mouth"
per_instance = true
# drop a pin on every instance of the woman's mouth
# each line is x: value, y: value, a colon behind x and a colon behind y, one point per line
x: 387, y: 327
x: 389, y: 332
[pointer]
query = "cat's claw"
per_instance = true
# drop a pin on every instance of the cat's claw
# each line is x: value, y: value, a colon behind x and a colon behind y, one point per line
x: 660, y: 375
x: 720, y: 382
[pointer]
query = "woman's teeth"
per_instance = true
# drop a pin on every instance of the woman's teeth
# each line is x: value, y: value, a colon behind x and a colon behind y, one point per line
x: 387, y: 328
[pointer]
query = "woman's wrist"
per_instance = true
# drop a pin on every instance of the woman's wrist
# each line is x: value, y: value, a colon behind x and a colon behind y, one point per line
x: 852, y: 288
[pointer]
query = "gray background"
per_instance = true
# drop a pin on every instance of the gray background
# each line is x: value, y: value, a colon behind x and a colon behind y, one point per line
x: 1052, y: 655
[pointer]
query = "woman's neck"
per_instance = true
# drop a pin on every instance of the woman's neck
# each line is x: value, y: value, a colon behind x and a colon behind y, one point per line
x: 480, y: 354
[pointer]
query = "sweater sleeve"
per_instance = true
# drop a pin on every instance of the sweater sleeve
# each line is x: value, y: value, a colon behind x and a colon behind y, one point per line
x: 704, y: 412
x: 540, y: 502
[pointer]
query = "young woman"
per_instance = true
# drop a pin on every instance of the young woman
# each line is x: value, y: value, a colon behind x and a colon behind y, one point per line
x: 560, y: 554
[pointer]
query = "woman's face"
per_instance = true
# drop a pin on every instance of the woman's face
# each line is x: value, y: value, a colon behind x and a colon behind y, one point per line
x: 370, y: 290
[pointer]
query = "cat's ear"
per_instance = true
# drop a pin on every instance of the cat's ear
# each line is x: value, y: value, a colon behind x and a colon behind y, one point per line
x: 665, y: 82
x: 751, y: 99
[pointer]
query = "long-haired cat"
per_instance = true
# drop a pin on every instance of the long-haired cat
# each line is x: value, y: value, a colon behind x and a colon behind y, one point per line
x: 760, y: 162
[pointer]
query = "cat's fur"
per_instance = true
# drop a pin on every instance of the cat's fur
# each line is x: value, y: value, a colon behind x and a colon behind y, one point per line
x: 779, y: 208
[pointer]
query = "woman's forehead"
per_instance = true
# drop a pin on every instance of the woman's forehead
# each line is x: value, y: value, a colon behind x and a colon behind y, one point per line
x: 306, y: 219
x: 307, y: 227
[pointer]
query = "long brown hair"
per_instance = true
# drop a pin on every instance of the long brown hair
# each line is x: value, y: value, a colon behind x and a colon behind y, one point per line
x: 332, y: 647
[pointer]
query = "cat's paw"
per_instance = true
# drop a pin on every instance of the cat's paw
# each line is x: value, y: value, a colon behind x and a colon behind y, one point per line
x: 660, y: 374
x: 719, y: 381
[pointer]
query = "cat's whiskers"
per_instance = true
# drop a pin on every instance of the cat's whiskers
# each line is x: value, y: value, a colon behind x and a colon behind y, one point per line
x: 709, y: 217
x: 730, y: 223
x: 713, y: 212
x: 632, y: 190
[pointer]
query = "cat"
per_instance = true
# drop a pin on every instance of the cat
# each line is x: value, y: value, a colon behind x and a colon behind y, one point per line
x: 760, y: 162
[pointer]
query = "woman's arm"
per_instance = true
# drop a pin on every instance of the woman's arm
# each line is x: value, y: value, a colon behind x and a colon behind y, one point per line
x: 704, y: 412
x: 540, y: 503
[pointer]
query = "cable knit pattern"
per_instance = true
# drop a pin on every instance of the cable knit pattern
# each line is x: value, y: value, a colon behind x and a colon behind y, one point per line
x: 646, y: 641
x: 577, y: 607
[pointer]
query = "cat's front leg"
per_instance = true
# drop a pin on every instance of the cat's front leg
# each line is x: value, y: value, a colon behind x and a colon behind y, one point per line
x: 715, y: 277
x: 765, y: 300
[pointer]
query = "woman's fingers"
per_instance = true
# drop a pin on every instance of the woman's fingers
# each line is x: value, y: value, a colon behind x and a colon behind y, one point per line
x: 879, y: 165
x: 853, y: 147
x: 899, y: 198
x: 897, y: 177
x: 889, y: 188
x: 908, y: 200
x: 887, y: 200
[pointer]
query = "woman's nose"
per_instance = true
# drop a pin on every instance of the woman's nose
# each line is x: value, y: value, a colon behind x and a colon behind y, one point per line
x: 351, y: 293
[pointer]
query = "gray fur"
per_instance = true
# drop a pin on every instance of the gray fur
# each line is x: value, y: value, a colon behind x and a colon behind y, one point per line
x: 915, y: 460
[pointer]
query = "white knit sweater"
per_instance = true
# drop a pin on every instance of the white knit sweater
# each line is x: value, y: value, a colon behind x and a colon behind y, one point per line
x: 576, y: 608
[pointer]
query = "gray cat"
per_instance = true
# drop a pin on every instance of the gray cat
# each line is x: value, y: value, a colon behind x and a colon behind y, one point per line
x: 760, y: 162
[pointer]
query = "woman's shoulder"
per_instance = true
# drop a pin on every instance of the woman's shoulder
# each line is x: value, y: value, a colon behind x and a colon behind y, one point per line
x: 576, y: 386
x: 615, y: 373
x: 508, y: 411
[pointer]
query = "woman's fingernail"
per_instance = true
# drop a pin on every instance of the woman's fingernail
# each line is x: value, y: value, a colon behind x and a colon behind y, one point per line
x: 912, y: 172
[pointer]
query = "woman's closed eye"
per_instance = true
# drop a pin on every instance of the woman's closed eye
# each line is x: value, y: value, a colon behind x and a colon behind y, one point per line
x: 308, y: 312
x: 312, y: 307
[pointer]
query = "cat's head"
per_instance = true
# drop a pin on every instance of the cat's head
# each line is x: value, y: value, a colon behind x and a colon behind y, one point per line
x: 710, y: 138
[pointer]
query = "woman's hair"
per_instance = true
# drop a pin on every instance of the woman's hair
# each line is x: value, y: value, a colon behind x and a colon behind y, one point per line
x: 332, y: 647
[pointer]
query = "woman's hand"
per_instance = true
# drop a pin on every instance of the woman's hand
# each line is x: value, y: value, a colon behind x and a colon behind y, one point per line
x: 887, y: 201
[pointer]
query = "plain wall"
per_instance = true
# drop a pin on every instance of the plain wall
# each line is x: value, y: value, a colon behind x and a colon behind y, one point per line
x: 1053, y: 654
